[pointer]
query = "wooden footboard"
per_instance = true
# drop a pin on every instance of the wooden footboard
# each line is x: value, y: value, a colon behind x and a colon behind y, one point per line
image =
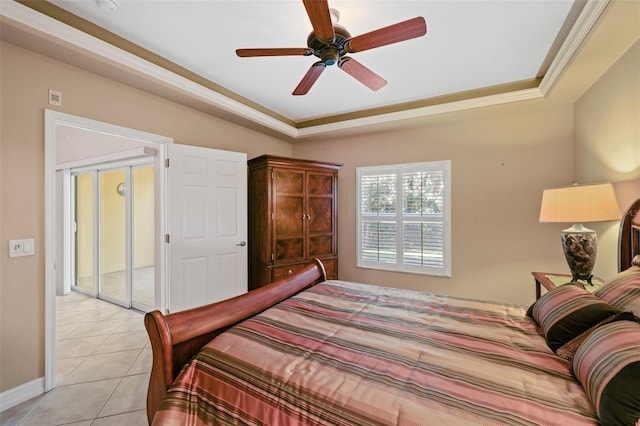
x: 177, y: 337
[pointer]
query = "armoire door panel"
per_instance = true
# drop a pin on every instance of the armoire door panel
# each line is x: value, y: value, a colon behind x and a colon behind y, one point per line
x: 289, y: 181
x: 320, y: 215
x: 289, y: 249
x: 321, y: 245
x: 288, y: 215
x: 320, y: 184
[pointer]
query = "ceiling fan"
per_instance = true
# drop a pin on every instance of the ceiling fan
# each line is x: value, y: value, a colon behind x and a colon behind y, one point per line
x: 332, y: 42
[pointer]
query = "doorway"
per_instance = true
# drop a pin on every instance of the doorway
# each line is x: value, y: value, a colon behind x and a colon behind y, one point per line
x: 102, y: 143
x: 112, y: 220
x: 200, y: 216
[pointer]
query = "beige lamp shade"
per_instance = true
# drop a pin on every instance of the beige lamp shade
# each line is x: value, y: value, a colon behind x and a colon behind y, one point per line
x: 579, y: 204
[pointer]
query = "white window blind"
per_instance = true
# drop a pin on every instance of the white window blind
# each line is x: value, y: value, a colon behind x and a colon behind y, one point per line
x: 404, y: 217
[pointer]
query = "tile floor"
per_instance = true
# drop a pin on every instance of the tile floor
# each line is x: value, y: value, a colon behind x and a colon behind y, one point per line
x: 102, y: 372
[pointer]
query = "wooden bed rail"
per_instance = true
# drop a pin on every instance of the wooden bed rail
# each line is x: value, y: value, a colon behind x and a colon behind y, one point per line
x: 176, y: 338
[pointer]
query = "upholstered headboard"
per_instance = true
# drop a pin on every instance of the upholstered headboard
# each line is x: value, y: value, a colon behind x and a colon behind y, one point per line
x: 629, y: 237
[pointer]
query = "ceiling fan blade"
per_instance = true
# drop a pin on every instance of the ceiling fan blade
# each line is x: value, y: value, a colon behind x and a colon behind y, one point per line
x: 320, y: 17
x: 288, y: 51
x: 405, y: 30
x: 361, y: 73
x: 309, y: 79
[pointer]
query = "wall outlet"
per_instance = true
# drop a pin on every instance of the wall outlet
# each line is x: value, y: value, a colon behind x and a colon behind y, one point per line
x: 18, y: 248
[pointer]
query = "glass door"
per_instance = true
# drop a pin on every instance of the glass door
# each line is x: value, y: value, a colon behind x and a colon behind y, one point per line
x: 143, y: 238
x: 114, y: 224
x: 113, y: 246
x: 84, y: 212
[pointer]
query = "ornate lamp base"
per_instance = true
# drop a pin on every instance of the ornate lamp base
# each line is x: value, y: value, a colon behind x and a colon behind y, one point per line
x: 580, y: 246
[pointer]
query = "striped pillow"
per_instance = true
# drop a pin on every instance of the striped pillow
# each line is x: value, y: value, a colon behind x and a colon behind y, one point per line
x: 567, y: 311
x: 624, y: 290
x: 608, y: 367
x: 568, y: 350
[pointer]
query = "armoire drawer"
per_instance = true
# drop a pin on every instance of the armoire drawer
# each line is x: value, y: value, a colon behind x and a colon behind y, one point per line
x: 330, y: 266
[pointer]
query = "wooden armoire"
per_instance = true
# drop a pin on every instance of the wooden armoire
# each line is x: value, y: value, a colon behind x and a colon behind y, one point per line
x: 293, y: 217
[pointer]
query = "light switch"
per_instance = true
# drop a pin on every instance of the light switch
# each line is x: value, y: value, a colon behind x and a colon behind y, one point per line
x: 28, y: 247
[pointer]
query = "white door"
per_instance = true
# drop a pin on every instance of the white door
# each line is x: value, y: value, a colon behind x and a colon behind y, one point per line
x: 207, y: 208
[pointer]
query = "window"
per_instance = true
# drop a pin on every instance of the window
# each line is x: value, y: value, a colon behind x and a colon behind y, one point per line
x: 404, y: 217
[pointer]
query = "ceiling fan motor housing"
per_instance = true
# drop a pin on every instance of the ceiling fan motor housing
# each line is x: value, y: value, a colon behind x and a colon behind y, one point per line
x: 330, y: 51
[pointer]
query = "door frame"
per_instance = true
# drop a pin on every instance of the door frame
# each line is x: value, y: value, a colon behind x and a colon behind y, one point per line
x: 53, y: 119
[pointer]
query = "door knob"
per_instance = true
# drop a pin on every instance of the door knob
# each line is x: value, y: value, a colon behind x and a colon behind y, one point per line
x: 242, y: 243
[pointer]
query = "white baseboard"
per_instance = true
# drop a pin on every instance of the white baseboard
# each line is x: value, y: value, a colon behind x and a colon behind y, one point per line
x: 22, y: 393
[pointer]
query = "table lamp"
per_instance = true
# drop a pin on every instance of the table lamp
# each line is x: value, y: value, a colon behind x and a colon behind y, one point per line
x: 579, y: 204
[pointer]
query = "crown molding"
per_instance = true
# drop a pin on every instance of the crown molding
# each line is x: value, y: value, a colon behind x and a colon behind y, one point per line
x: 42, y: 25
x: 585, y: 22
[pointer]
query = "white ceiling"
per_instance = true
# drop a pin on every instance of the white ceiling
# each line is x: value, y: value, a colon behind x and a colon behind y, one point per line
x: 469, y: 45
x: 476, y: 53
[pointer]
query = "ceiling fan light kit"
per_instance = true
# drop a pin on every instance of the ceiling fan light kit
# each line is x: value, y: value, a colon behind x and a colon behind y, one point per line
x: 331, y: 43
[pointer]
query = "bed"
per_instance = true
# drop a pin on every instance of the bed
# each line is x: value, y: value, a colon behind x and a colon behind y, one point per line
x: 304, y: 350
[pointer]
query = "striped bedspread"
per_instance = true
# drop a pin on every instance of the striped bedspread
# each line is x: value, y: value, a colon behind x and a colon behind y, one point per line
x: 343, y: 353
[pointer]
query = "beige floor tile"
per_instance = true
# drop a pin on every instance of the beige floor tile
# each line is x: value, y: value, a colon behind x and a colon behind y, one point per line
x: 142, y: 363
x: 87, y: 304
x: 95, y: 328
x: 73, y: 348
x: 64, y: 330
x: 115, y: 312
x: 75, y: 403
x: 122, y: 342
x: 132, y: 325
x: 135, y: 418
x: 130, y: 395
x: 64, y: 367
x: 75, y: 317
x: 103, y: 366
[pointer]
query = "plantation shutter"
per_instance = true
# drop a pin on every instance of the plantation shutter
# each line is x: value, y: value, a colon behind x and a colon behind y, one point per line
x: 403, y: 218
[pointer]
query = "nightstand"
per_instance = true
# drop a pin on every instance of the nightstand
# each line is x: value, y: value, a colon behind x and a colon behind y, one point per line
x: 552, y: 280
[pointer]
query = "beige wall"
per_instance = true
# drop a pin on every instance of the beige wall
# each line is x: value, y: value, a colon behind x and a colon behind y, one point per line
x: 501, y: 162
x: 24, y: 88
x: 607, y: 144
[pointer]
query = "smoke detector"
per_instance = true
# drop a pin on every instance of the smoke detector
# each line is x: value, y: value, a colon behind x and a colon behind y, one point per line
x: 107, y: 5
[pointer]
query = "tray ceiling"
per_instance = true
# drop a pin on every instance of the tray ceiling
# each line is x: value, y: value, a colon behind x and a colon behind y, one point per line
x: 473, y: 49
